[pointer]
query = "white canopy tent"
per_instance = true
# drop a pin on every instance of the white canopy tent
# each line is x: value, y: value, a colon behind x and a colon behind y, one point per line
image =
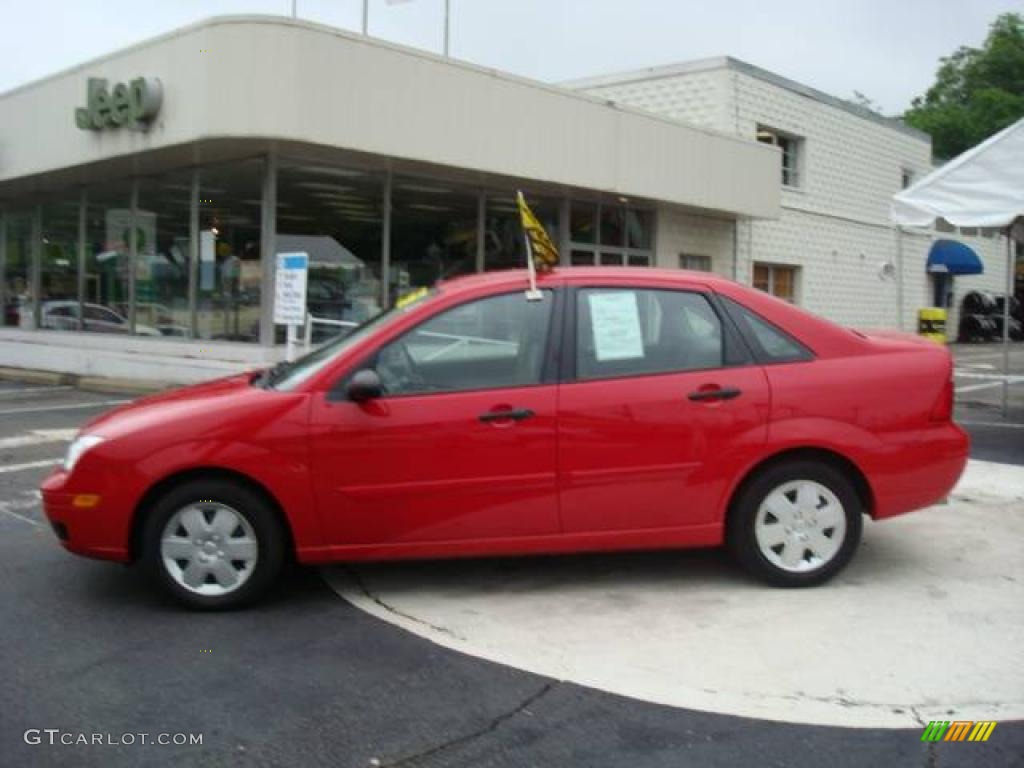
x: 983, y: 187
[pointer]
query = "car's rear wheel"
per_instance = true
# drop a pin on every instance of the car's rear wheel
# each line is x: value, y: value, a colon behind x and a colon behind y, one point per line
x: 213, y: 544
x: 796, y: 524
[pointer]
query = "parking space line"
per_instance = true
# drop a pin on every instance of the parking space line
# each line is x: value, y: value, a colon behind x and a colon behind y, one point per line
x: 8, y: 507
x: 16, y: 393
x: 69, y: 407
x: 976, y: 387
x: 29, y: 465
x: 38, y: 437
x: 1012, y: 378
x: 1005, y: 425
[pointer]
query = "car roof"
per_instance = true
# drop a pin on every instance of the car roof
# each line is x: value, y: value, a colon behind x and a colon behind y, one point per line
x: 518, y: 277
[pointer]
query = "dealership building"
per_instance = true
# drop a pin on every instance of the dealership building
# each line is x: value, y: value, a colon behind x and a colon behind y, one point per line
x: 145, y: 195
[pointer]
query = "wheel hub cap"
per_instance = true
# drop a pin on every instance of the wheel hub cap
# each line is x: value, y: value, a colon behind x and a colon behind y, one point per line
x: 800, y: 526
x: 209, y: 548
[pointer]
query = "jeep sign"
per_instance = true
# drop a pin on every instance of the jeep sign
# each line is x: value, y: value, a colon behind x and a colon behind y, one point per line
x: 132, y: 105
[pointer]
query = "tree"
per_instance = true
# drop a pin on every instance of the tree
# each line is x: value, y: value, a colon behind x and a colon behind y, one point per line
x: 977, y: 91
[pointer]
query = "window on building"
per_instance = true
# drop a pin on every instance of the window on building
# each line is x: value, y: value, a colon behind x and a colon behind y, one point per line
x: 162, y: 223
x: 335, y: 215
x: 503, y: 233
x: 631, y: 332
x: 108, y: 218
x: 612, y: 234
x: 58, y: 266
x: 779, y: 281
x: 433, y: 233
x: 230, y: 279
x: 906, y: 178
x: 18, y: 304
x: 695, y: 262
x: 490, y: 343
x: 792, y: 149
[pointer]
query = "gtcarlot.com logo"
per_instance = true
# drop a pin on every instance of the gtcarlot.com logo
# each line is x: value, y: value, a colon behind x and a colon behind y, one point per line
x: 958, y: 730
x: 55, y: 736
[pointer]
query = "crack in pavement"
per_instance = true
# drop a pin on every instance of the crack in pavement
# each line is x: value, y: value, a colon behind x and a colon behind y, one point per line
x: 459, y: 741
x: 391, y: 609
x: 931, y: 759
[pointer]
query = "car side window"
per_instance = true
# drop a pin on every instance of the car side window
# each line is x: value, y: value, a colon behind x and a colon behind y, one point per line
x: 495, y: 342
x: 634, y: 331
x: 776, y: 345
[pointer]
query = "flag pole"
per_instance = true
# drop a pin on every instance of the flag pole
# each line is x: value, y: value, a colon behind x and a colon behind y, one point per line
x: 532, y: 294
x: 447, y: 20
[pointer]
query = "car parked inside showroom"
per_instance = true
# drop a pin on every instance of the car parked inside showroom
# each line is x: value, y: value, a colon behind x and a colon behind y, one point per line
x: 614, y: 409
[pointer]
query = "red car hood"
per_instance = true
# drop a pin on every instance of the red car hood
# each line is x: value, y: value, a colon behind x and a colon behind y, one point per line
x: 184, y: 403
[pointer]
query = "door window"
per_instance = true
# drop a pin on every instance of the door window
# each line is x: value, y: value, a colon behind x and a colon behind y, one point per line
x: 490, y: 343
x: 629, y: 332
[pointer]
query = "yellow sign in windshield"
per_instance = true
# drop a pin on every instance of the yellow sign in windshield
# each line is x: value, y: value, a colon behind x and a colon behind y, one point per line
x: 411, y: 296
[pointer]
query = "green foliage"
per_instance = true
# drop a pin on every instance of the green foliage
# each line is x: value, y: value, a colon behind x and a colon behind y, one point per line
x: 977, y: 91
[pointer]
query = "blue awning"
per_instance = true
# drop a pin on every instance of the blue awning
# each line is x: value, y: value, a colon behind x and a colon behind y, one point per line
x: 953, y: 258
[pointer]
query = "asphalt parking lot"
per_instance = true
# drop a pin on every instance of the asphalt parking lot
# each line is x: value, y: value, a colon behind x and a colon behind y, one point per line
x: 308, y: 677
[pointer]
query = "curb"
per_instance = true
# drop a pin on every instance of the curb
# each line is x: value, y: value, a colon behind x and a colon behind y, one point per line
x: 84, y: 383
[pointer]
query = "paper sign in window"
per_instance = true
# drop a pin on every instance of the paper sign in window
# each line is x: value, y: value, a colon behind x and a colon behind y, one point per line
x: 615, y: 319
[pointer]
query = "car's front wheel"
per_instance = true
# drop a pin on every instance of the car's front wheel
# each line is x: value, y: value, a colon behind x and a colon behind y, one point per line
x: 213, y: 544
x: 796, y: 524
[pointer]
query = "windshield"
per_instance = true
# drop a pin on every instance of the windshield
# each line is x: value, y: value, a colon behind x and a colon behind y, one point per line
x: 287, y: 376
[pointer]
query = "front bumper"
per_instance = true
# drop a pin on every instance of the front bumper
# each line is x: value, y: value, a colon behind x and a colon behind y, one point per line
x: 101, y: 531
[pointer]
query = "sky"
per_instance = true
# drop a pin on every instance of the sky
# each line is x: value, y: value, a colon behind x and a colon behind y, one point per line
x: 886, y: 49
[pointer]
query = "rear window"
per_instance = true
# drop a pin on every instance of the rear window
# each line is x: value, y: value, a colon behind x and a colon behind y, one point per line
x: 773, y: 344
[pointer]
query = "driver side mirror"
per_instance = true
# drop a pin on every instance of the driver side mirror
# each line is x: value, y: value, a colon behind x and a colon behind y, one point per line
x: 365, y: 385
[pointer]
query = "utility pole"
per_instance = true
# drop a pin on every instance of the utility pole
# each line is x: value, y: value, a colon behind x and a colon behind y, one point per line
x: 366, y: 17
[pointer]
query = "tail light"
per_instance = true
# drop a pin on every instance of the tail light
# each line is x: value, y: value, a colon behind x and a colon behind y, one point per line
x: 943, y: 408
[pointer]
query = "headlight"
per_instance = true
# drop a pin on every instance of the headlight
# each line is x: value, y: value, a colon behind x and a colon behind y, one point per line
x: 78, y: 447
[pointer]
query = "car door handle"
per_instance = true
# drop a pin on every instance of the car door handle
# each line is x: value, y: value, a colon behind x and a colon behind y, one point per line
x: 722, y: 393
x: 512, y: 414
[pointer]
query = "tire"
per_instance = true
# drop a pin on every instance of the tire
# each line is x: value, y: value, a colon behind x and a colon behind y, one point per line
x: 191, y: 534
x: 820, y: 535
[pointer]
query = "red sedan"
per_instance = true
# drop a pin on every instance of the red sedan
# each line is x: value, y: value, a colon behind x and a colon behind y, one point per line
x: 619, y: 409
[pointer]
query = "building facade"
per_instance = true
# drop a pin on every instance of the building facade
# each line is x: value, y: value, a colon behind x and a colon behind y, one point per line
x: 145, y: 195
x: 833, y: 247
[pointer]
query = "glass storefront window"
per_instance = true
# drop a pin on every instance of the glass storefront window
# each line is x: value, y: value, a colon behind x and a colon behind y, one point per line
x: 613, y: 225
x: 58, y: 268
x: 17, y: 281
x: 433, y: 233
x: 583, y: 222
x: 230, y: 273
x: 162, y: 266
x: 504, y: 247
x: 624, y: 235
x: 107, y: 232
x: 639, y: 228
x: 335, y: 215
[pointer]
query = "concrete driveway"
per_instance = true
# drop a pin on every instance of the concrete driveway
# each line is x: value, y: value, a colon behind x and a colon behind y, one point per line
x: 925, y: 624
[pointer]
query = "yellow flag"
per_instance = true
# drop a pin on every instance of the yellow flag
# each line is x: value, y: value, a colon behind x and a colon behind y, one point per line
x: 545, y: 254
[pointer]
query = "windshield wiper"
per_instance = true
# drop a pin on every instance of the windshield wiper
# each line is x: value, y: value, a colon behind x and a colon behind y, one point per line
x: 273, y: 374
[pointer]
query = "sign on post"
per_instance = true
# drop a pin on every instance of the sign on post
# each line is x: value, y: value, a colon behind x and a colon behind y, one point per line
x: 290, y: 294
